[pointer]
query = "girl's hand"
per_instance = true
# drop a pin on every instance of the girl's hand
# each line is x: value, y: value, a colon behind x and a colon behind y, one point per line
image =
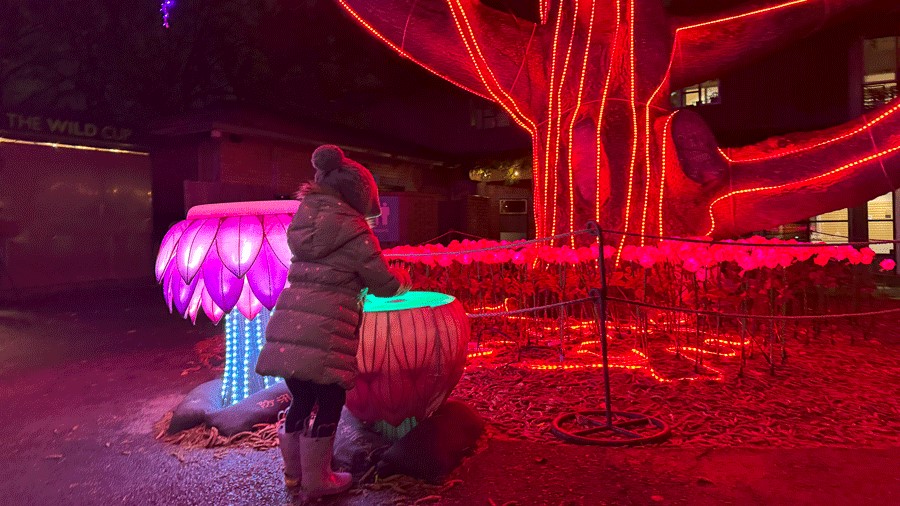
x: 403, y: 277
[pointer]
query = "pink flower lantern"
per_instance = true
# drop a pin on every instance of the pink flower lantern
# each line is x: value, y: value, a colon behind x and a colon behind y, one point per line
x: 412, y: 353
x: 225, y: 257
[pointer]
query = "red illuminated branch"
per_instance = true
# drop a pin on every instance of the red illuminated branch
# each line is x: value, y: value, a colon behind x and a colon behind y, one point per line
x: 710, y: 46
x: 791, y: 178
x: 425, y: 32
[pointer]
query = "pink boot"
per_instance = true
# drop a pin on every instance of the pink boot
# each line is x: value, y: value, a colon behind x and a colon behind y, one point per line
x: 289, y: 443
x: 318, y: 478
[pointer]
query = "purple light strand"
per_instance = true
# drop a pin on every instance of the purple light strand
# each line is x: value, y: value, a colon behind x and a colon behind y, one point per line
x: 164, y: 8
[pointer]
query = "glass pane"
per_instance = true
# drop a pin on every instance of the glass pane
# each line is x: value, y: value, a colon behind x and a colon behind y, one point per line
x: 711, y: 93
x: 881, y: 77
x: 881, y: 231
x: 839, y: 215
x: 882, y: 208
x: 691, y: 97
x: 880, y: 80
x: 834, y: 232
x: 676, y: 99
x: 880, y: 55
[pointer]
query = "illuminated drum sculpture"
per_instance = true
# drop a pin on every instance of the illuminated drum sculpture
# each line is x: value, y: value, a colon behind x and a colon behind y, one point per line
x: 412, y: 353
x: 225, y: 257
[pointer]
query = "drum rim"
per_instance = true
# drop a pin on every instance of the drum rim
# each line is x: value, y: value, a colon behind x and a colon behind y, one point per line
x: 445, y: 300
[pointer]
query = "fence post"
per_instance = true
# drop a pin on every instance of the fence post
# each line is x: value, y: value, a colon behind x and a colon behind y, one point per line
x: 624, y: 431
x: 599, y: 296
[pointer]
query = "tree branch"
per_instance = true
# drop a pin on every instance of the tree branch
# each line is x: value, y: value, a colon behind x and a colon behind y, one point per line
x: 426, y: 32
x: 708, y: 46
x: 790, y: 178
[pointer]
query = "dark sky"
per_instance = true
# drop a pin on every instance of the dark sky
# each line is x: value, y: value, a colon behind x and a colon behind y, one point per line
x: 112, y: 60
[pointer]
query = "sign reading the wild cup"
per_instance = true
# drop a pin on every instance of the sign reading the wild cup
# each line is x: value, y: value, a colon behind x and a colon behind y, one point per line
x: 65, y: 127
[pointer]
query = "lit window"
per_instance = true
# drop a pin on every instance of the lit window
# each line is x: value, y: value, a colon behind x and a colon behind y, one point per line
x: 880, y: 212
x: 880, y: 81
x: 832, y: 228
x: 706, y: 92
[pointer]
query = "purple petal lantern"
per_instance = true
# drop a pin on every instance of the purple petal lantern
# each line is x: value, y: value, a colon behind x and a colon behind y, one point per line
x: 227, y: 256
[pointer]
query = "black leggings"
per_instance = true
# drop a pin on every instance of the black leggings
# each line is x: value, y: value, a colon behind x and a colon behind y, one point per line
x: 307, y: 394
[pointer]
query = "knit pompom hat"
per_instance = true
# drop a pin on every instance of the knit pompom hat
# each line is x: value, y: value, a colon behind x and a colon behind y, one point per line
x: 354, y: 182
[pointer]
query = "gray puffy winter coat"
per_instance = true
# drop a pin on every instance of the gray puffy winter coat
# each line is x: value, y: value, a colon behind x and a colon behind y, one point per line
x: 312, y: 334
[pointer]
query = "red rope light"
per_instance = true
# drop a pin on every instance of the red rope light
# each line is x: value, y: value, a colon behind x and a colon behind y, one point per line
x: 484, y: 70
x: 551, y: 155
x: 662, y: 183
x: 584, y: 65
x: 399, y: 50
x: 480, y: 354
x: 864, y: 128
x: 544, y: 5
x: 599, y: 143
x: 744, y: 15
x: 634, y: 124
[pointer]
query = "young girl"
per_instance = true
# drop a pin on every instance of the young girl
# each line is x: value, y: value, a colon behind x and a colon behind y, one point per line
x: 312, y: 336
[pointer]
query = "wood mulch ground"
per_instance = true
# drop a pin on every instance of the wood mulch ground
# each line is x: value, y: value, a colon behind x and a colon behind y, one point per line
x: 828, y: 391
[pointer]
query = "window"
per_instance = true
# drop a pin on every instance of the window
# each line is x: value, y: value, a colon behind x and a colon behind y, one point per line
x: 706, y: 92
x: 881, y: 222
x: 880, y: 58
x: 832, y: 228
x: 488, y: 117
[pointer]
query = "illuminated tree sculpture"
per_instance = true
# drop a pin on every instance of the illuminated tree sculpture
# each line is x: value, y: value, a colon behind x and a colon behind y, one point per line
x: 590, y: 81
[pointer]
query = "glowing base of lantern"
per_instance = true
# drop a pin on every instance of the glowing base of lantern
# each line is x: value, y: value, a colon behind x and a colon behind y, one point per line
x: 243, y: 341
x: 203, y: 405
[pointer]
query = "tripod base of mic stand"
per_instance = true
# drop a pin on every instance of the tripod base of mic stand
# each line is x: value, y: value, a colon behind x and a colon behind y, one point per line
x: 627, y: 429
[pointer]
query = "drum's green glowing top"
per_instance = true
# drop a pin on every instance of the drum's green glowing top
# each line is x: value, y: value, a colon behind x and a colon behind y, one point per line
x: 409, y: 300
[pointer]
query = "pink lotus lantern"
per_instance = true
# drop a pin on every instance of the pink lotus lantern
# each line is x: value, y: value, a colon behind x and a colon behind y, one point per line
x: 412, y: 353
x: 225, y: 257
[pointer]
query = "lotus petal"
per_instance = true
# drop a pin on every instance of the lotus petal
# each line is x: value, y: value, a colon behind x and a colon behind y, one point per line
x: 193, y: 247
x: 276, y: 226
x: 267, y: 277
x: 238, y: 242
x: 168, y: 291
x: 167, y: 248
x: 248, y: 304
x: 194, y: 304
x: 183, y: 292
x: 222, y: 286
x: 213, y: 312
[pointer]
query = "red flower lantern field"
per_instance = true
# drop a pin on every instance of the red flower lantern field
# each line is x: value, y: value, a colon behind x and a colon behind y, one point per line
x: 412, y: 353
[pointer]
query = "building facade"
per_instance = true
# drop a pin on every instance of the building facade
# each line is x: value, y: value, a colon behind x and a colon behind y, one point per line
x: 75, y: 204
